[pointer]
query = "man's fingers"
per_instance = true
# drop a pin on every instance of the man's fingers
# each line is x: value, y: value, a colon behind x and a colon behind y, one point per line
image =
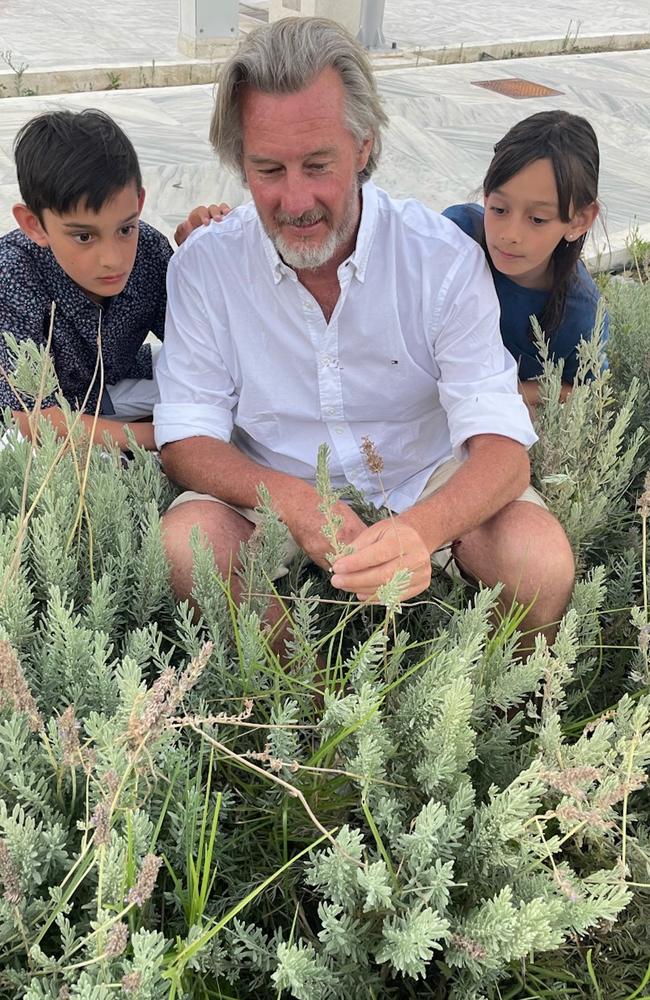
x: 371, y: 548
x: 410, y: 592
x: 367, y: 580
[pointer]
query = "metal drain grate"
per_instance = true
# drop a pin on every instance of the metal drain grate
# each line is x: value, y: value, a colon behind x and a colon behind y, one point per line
x: 517, y: 88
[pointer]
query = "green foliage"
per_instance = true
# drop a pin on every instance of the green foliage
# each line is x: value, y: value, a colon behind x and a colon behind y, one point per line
x: 588, y: 455
x: 391, y: 812
x: 628, y: 349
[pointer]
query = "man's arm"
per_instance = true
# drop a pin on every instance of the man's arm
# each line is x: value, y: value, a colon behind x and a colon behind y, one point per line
x: 488, y: 427
x: 496, y: 472
x: 219, y: 469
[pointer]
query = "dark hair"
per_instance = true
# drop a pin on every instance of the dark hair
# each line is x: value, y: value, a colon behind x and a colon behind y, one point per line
x: 570, y: 143
x: 66, y: 158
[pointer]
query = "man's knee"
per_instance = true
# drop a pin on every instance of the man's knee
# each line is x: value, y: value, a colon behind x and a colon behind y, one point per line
x: 543, y: 540
x: 524, y: 547
x: 222, y: 528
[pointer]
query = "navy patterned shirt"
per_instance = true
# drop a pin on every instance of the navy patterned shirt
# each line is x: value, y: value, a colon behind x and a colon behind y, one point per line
x: 31, y: 279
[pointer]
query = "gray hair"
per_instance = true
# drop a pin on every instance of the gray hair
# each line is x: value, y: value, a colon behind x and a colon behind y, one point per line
x: 285, y: 57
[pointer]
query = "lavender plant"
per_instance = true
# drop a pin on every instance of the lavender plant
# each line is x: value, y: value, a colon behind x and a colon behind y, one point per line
x: 181, y: 816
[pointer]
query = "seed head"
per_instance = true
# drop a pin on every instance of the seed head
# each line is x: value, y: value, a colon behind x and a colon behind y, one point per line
x: 643, y: 503
x: 191, y: 674
x: 117, y: 940
x: 150, y: 722
x: 471, y: 948
x: 618, y: 793
x: 14, y: 689
x: 9, y: 875
x: 144, y: 887
x: 566, y: 886
x: 569, y: 780
x: 69, y: 736
x: 111, y: 782
x: 590, y: 817
x: 374, y: 461
x: 163, y: 699
x: 131, y: 982
x: 101, y: 820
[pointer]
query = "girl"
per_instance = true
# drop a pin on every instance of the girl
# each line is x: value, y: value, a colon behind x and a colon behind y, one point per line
x: 540, y: 196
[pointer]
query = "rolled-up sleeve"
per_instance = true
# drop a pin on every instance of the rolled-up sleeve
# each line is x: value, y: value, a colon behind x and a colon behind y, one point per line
x: 478, y: 377
x: 197, y: 390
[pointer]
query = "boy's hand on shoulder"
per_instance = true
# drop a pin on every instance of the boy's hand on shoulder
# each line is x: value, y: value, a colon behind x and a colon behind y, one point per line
x: 201, y: 216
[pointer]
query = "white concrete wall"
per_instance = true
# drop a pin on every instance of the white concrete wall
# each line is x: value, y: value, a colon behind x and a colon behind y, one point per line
x: 346, y: 12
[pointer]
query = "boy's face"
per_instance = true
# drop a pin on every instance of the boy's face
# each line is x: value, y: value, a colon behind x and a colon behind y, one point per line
x: 95, y: 249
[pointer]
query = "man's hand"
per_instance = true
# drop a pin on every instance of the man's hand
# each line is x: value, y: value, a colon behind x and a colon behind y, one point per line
x: 201, y: 216
x: 306, y: 521
x: 379, y: 551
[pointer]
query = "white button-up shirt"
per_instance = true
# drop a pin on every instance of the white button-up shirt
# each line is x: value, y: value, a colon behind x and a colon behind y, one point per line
x: 412, y: 356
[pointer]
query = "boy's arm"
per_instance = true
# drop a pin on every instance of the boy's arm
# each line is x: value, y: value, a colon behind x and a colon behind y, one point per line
x: 97, y: 428
x: 164, y: 253
x: 201, y: 216
x: 24, y: 312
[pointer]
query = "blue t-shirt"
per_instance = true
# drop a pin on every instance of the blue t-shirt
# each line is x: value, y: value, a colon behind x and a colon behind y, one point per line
x: 518, y: 304
x: 32, y: 280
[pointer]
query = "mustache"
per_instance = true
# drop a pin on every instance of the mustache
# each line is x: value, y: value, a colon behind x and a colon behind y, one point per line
x: 306, y: 219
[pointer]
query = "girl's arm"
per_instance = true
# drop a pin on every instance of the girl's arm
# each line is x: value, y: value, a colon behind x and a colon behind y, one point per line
x: 529, y: 389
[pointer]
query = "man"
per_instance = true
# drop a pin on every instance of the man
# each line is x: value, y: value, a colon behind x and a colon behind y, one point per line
x: 326, y: 312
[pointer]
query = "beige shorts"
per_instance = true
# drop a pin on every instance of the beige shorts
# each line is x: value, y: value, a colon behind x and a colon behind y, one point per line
x: 443, y: 558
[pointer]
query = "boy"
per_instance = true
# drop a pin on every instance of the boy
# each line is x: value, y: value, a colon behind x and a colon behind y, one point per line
x: 82, y: 247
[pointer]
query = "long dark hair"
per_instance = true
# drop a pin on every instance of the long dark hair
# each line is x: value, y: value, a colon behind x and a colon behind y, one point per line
x: 569, y: 143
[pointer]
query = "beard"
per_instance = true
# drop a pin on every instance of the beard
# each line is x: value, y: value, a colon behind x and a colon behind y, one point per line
x: 306, y: 255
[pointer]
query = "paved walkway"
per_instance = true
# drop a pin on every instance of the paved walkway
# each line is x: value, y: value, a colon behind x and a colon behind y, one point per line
x: 442, y: 129
x: 69, y: 33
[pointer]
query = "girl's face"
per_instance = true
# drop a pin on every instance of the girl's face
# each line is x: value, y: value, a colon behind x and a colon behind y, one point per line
x: 523, y: 225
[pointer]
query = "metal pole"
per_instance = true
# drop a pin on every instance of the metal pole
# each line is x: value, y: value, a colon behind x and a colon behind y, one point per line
x: 371, y: 33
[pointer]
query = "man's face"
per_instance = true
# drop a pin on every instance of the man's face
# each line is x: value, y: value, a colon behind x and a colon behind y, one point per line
x: 302, y: 165
x: 95, y: 249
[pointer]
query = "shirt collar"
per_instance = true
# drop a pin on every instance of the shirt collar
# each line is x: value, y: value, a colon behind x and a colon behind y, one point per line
x: 358, y: 259
x: 277, y: 265
x: 367, y: 229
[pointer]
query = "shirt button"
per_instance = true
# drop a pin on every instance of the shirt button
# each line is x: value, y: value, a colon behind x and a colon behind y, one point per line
x: 339, y: 430
x: 330, y: 411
